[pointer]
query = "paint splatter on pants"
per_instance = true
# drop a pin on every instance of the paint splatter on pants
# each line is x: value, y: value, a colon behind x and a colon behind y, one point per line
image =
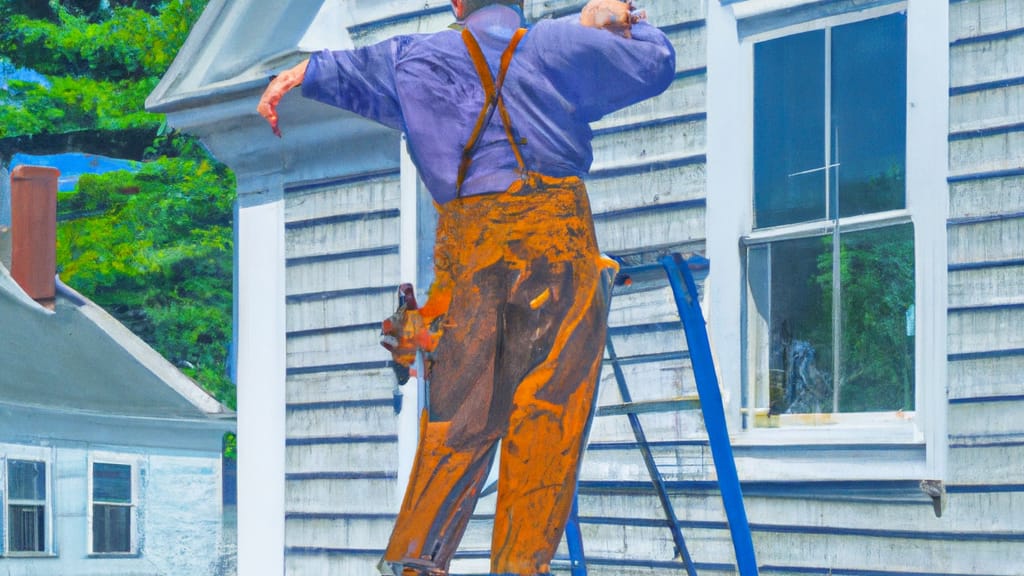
x: 520, y: 295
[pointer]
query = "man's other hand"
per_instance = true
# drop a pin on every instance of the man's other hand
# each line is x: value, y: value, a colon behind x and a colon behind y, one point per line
x: 612, y: 15
x: 279, y: 86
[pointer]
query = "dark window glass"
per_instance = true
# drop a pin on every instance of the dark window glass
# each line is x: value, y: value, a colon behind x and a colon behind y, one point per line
x: 799, y: 175
x: 27, y: 528
x: 26, y: 480
x: 111, y: 482
x: 877, y: 295
x: 800, y: 327
x: 111, y: 529
x: 793, y: 288
x: 869, y: 114
x: 789, y: 129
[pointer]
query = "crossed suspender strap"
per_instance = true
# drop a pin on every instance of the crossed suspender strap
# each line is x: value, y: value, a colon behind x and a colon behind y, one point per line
x: 492, y: 100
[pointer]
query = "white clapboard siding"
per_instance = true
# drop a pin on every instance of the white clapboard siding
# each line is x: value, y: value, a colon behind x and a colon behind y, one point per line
x: 983, y: 17
x: 341, y: 447
x: 986, y: 300
x: 986, y: 60
x: 985, y: 377
x: 369, y: 384
x: 985, y: 330
x: 987, y: 197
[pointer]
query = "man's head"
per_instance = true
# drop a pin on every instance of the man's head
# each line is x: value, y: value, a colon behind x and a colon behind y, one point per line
x: 463, y: 8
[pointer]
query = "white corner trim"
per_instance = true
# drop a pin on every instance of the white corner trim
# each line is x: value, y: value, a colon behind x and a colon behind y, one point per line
x: 927, y: 194
x: 730, y: 155
x: 261, y: 388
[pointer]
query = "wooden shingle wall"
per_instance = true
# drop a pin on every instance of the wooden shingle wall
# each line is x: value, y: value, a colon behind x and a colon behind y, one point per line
x: 986, y: 251
x: 341, y: 448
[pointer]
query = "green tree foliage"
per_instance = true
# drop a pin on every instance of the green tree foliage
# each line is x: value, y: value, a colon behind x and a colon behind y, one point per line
x: 154, y: 247
x: 102, y: 59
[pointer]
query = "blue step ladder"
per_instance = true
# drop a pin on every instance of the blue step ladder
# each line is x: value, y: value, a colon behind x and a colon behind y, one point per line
x: 709, y: 401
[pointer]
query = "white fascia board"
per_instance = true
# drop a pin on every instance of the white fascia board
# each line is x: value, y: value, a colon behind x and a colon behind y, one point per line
x: 747, y: 9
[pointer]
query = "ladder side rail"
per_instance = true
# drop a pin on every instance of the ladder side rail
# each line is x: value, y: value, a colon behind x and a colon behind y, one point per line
x: 574, y: 540
x: 652, y: 467
x: 687, y: 301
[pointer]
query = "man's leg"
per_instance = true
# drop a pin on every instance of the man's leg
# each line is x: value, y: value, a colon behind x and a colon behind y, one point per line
x: 547, y: 429
x: 457, y: 437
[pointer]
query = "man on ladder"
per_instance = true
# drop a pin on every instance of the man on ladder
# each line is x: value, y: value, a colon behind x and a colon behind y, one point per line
x: 497, y: 120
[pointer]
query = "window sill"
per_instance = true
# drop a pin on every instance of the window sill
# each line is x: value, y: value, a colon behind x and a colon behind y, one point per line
x: 114, y: 555
x: 861, y: 447
x: 28, y: 555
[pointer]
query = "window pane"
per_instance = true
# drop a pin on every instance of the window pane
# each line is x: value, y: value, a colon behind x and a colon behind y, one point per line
x: 878, y: 320
x: 800, y: 327
x: 26, y: 480
x: 111, y: 482
x: 26, y: 528
x: 111, y: 529
x: 789, y: 129
x: 869, y: 117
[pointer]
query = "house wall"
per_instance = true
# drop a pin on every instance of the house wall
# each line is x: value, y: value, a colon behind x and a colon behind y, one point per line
x: 178, y: 505
x: 649, y: 193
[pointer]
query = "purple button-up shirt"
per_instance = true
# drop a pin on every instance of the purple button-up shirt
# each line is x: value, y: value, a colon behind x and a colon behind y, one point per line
x: 563, y: 77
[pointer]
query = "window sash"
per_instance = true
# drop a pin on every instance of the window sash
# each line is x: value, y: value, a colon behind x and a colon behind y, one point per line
x: 762, y: 342
x: 25, y: 528
x: 112, y: 504
x: 801, y: 171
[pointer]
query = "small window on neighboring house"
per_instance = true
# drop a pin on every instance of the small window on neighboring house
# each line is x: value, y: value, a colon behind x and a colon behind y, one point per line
x: 112, y: 508
x: 830, y: 263
x: 26, y: 506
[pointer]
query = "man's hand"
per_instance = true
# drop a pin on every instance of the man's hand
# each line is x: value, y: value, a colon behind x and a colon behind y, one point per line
x: 403, y: 334
x: 278, y: 87
x: 613, y: 15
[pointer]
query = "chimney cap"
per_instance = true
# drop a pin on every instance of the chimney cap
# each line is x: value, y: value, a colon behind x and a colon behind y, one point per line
x: 26, y: 172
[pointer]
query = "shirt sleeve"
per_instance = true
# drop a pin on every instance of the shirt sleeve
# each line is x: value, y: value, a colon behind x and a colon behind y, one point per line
x: 603, y: 72
x: 361, y: 80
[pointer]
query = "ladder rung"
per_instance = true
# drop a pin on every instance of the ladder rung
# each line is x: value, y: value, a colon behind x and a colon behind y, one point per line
x: 668, y: 405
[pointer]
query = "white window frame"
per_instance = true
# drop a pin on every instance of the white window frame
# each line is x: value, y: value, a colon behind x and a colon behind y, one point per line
x: 730, y: 221
x: 134, y: 463
x: 30, y: 454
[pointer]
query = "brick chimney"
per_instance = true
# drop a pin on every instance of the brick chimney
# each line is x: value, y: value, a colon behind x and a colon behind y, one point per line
x: 34, y: 232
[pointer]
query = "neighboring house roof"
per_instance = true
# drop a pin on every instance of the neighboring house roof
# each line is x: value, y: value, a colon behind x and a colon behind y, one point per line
x: 79, y: 358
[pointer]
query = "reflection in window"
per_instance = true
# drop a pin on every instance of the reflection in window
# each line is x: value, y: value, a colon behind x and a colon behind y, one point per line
x: 792, y: 288
x: 831, y: 309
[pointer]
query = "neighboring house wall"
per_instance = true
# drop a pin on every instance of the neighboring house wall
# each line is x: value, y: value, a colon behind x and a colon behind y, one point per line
x: 176, y: 504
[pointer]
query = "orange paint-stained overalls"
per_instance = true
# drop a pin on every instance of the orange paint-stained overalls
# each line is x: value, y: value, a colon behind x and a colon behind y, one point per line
x: 519, y: 302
